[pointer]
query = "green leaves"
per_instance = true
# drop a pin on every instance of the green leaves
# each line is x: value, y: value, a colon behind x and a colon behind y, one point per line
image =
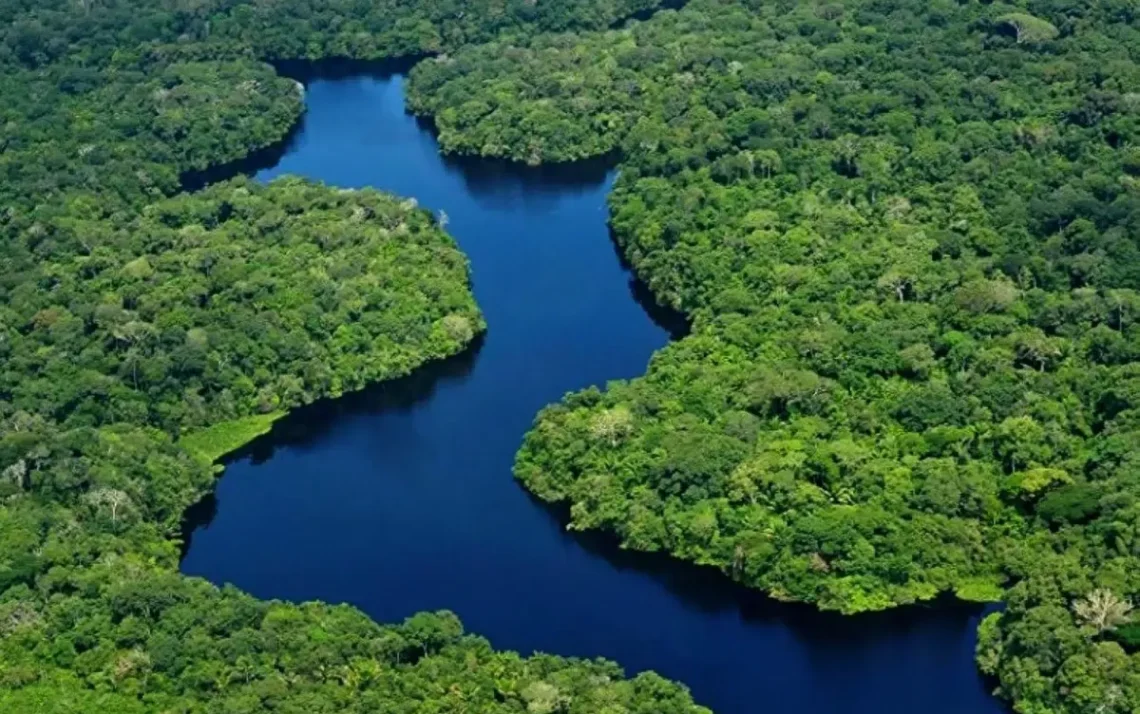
x: 243, y: 300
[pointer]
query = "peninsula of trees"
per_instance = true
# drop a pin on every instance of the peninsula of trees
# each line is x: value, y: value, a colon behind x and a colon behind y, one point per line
x: 145, y: 332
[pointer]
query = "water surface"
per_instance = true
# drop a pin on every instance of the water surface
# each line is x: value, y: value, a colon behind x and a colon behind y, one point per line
x: 400, y: 498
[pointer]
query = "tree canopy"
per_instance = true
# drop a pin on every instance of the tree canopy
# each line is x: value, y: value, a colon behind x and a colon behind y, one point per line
x: 239, y: 299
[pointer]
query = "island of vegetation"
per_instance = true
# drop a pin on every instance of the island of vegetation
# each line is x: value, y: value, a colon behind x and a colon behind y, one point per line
x: 145, y: 332
x: 908, y: 238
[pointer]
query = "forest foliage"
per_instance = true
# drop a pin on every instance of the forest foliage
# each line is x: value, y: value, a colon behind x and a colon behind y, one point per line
x: 908, y: 235
x: 145, y: 332
x: 240, y: 299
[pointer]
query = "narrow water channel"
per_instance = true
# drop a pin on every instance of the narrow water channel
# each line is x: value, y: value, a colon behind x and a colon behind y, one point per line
x: 400, y: 498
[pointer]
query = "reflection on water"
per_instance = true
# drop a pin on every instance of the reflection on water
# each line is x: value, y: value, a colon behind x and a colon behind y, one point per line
x: 710, y: 591
x: 400, y: 498
x: 306, y: 425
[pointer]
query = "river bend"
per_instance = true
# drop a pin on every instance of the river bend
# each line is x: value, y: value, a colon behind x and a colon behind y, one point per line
x: 400, y: 498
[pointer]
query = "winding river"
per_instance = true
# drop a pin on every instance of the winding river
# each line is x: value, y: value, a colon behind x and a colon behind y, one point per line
x: 400, y: 498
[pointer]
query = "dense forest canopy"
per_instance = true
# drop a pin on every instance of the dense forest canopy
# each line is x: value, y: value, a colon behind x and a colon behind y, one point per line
x: 236, y: 300
x: 144, y: 332
x: 908, y: 234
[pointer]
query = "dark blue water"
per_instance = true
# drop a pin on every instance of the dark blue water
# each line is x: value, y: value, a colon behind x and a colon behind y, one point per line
x: 400, y: 498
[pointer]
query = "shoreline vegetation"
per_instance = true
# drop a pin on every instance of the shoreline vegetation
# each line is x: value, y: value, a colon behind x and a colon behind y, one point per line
x: 134, y: 313
x: 210, y: 444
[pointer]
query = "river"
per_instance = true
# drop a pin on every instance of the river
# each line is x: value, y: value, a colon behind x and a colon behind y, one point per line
x: 400, y: 498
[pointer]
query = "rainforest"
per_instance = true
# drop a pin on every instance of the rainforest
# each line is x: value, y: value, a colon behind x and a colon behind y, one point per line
x: 905, y: 237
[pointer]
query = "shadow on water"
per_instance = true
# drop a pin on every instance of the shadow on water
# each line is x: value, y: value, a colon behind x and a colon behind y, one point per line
x: 307, y: 71
x: 647, y: 13
x: 673, y: 321
x: 252, y: 163
x: 491, y: 178
x: 308, y: 424
x: 710, y: 591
